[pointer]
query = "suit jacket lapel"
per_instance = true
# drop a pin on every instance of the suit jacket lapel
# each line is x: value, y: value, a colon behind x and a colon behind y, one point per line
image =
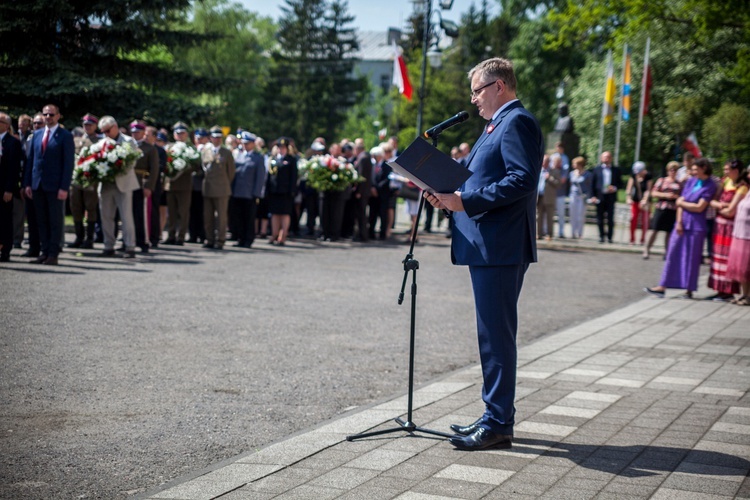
x: 494, y: 123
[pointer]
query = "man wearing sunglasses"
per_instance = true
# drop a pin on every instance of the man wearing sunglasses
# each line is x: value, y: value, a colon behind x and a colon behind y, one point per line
x: 47, y: 181
x: 493, y: 234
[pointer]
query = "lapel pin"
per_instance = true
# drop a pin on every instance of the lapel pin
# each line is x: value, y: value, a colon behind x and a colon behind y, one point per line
x: 490, y: 128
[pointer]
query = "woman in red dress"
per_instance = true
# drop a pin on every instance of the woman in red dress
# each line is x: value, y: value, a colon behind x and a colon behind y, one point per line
x: 733, y: 189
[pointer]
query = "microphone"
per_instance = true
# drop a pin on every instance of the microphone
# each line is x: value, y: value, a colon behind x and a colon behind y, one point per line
x: 435, y: 131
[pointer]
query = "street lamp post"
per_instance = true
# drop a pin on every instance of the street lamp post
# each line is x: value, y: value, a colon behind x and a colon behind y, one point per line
x: 428, y: 53
x: 425, y: 45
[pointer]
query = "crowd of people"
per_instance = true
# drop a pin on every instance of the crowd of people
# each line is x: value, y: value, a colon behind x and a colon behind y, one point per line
x: 238, y: 189
x: 694, y: 208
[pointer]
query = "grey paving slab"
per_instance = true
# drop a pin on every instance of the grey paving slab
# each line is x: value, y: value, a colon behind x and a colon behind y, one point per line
x: 607, y: 409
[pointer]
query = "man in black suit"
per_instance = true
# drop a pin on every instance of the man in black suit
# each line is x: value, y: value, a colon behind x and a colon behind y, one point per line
x: 361, y: 196
x: 47, y: 181
x: 607, y: 180
x: 10, y: 165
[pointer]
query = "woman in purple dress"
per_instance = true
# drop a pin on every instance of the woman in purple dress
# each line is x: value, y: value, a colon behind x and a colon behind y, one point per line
x: 686, y: 243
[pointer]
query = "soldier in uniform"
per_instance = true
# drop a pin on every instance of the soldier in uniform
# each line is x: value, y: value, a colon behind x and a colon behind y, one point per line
x: 147, y: 173
x: 197, y: 227
x: 219, y: 170
x: 178, y: 195
x: 85, y: 199
x: 154, y: 218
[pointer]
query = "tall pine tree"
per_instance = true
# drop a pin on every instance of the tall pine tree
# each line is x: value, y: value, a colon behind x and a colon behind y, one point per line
x: 98, y: 56
x: 311, y: 85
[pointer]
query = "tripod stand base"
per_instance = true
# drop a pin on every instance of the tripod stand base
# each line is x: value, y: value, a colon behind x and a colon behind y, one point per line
x: 409, y: 427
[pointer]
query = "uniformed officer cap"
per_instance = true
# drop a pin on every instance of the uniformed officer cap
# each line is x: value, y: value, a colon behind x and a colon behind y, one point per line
x: 283, y: 141
x: 201, y: 132
x: 180, y: 127
x: 216, y: 131
x: 88, y: 118
x: 246, y: 136
x: 161, y: 136
x: 137, y: 125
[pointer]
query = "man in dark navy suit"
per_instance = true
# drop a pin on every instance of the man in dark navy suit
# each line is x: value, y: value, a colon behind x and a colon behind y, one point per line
x: 47, y: 181
x: 493, y: 233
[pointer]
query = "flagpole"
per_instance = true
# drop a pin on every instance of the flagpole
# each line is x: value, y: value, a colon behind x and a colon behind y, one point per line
x: 604, y: 108
x: 644, y: 83
x: 619, y: 111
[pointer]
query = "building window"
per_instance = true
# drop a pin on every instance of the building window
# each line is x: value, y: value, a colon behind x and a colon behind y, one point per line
x: 385, y: 82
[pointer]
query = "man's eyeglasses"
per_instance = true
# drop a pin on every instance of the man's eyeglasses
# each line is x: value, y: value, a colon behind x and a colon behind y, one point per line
x: 49, y: 114
x: 38, y: 123
x: 476, y: 92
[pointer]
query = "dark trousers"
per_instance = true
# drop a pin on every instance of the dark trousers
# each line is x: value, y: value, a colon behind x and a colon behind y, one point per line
x: 139, y: 219
x: 605, y: 209
x: 19, y: 208
x: 242, y: 214
x: 154, y: 218
x: 310, y: 205
x: 381, y: 212
x: 6, y: 226
x: 35, y: 245
x: 429, y: 211
x: 49, y: 215
x: 350, y: 215
x: 197, y: 227
x: 332, y: 214
x: 496, y: 291
x: 374, y: 204
x: 360, y: 216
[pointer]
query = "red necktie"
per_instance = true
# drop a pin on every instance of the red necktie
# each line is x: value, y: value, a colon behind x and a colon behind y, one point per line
x: 44, y: 141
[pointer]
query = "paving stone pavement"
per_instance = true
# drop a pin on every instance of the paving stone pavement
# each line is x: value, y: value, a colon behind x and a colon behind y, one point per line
x: 649, y: 401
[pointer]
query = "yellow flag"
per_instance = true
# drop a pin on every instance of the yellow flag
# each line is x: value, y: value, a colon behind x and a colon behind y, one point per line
x: 608, y: 110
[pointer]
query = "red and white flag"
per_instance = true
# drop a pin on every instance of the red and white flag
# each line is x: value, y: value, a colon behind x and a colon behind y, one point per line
x: 400, y: 76
x: 691, y: 144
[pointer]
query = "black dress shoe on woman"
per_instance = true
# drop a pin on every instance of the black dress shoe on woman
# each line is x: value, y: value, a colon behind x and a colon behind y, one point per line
x: 465, y: 430
x: 483, y: 439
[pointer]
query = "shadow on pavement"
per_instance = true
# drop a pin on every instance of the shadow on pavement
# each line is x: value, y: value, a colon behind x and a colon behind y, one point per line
x: 638, y: 461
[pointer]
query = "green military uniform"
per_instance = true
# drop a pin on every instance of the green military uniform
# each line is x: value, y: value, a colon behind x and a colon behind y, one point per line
x: 84, y: 200
x: 179, y: 190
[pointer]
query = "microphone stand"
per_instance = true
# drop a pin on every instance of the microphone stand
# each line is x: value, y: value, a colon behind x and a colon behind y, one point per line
x: 410, y: 266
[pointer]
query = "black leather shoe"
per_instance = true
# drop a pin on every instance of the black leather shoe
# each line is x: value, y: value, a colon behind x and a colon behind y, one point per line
x: 39, y: 260
x: 482, y: 439
x: 465, y: 430
x: 107, y: 253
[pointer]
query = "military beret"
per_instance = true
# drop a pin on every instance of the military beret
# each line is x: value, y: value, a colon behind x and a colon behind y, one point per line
x: 88, y: 118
